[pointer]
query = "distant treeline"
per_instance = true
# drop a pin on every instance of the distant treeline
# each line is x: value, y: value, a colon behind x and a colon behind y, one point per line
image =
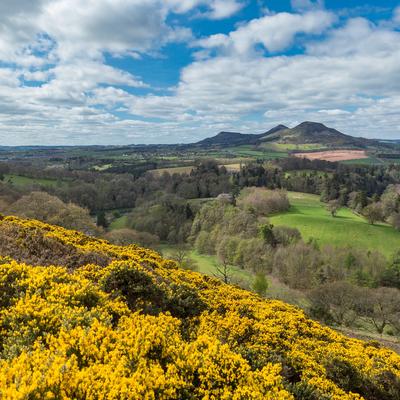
x: 105, y: 191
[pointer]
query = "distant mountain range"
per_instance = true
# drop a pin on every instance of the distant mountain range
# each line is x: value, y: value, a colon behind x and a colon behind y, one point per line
x: 306, y: 132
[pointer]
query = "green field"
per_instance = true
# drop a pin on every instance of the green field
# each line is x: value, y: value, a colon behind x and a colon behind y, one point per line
x: 292, y: 146
x: 206, y: 264
x: 19, y: 180
x: 173, y: 170
x: 119, y: 223
x: 253, y: 152
x: 311, y: 218
x: 364, y: 161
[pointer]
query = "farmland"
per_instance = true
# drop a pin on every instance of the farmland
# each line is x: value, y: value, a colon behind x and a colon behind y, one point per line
x: 334, y: 155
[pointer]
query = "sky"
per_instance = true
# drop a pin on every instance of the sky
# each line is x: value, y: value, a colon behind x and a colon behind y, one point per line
x: 83, y: 72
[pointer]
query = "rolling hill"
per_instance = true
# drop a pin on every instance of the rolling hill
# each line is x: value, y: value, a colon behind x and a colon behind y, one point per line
x: 83, y: 319
x: 304, y: 133
x: 237, y: 139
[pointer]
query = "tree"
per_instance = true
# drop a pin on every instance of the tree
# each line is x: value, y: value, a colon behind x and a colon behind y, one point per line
x: 262, y: 201
x: 390, y: 201
x: 334, y: 302
x: 101, y: 219
x: 373, y: 213
x: 267, y: 234
x: 333, y: 207
x: 286, y: 235
x: 260, y: 284
x: 394, y: 219
x: 50, y: 209
x: 390, y: 277
x: 223, y: 271
x: 379, y: 306
x: 181, y: 255
x: 125, y: 236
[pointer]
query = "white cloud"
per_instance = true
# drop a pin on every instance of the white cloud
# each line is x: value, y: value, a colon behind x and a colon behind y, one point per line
x: 215, y: 9
x: 221, y: 9
x: 306, y: 5
x: 275, y: 32
x: 334, y: 112
x: 358, y: 36
x: 62, y: 90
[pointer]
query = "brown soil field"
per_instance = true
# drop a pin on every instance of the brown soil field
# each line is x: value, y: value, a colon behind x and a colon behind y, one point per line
x: 334, y: 155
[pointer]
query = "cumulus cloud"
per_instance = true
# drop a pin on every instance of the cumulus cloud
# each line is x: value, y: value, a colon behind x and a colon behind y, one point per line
x: 58, y: 86
x: 214, y: 9
x: 275, y: 32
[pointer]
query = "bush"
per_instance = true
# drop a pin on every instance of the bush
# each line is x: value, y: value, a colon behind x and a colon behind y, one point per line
x: 285, y: 235
x: 141, y: 293
x: 136, y: 287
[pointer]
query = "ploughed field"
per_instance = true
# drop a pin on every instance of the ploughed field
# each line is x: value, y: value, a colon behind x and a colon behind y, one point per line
x: 309, y: 215
x: 334, y: 155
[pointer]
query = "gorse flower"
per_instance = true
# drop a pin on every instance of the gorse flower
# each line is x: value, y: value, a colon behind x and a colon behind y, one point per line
x: 141, y: 328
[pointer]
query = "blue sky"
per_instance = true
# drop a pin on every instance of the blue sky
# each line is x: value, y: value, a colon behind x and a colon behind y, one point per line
x: 151, y: 71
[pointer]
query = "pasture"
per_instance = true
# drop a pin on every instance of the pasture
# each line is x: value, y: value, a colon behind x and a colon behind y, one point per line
x: 311, y: 218
x: 19, y: 180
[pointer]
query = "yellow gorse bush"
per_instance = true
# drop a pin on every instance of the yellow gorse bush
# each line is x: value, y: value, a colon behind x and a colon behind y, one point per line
x: 140, y: 328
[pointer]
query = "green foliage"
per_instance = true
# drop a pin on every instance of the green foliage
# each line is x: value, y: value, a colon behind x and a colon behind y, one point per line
x: 101, y: 219
x: 267, y: 234
x: 260, y: 284
x: 373, y: 213
x: 136, y: 287
x: 170, y: 218
x: 385, y: 386
x: 141, y: 292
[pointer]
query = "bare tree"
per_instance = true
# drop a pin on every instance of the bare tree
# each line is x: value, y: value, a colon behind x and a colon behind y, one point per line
x: 223, y: 271
x: 333, y: 207
x: 380, y: 307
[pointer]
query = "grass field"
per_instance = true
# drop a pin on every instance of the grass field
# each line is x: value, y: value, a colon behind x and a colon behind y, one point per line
x: 172, y: 170
x: 251, y: 151
x: 364, y: 161
x: 18, y: 180
x: 292, y: 146
x: 206, y: 264
x: 311, y: 218
x: 119, y: 223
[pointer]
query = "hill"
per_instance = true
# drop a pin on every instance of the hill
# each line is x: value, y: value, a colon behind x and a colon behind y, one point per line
x: 83, y: 319
x: 236, y: 138
x: 304, y: 133
x: 313, y: 132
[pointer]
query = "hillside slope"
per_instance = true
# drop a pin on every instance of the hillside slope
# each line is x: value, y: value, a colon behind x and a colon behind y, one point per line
x: 314, y: 132
x: 305, y: 133
x: 237, y: 139
x: 100, y: 321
